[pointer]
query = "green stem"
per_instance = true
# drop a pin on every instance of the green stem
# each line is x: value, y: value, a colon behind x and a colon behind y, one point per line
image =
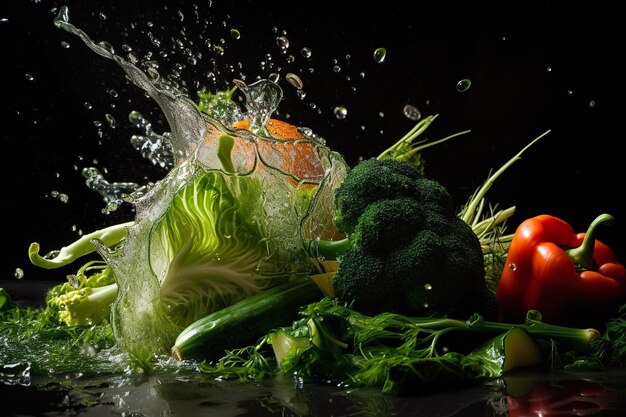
x: 582, y: 256
x: 330, y: 249
x: 570, y: 336
x: 225, y: 145
x: 109, y: 236
x: 417, y: 130
x: 470, y: 210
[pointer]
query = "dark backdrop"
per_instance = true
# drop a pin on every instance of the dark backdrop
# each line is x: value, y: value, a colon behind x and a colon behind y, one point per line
x: 534, y: 65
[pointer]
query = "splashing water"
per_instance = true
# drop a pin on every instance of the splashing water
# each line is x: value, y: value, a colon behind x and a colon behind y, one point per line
x: 287, y: 168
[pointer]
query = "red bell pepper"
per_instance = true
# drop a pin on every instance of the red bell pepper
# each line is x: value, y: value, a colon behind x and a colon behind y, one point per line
x: 571, y: 279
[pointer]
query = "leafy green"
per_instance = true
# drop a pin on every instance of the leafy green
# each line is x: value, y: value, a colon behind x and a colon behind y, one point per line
x: 334, y: 342
x: 36, y: 343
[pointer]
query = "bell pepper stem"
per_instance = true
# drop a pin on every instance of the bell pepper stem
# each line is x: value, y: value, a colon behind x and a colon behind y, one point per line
x: 582, y: 256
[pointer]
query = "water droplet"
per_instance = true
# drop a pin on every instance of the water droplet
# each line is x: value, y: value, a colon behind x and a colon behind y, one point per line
x: 65, y: 44
x: 570, y: 92
x: 362, y: 74
x: 62, y: 197
x: 294, y: 80
x: 88, y: 105
x: 111, y: 120
x: 4, y: 20
x: 381, y: 114
x: 301, y: 94
x: 218, y: 50
x: 235, y: 34
x: 102, y: 16
x: 411, y: 112
x: 29, y: 77
x: 73, y: 281
x: 428, y: 287
x: 274, y: 77
x: 463, y: 85
x: 336, y: 68
x: 106, y: 46
x: 282, y: 42
x: 592, y: 103
x: 19, y: 273
x: 340, y: 112
x: 512, y: 266
x: 549, y: 69
x: 379, y: 55
x: 306, y: 52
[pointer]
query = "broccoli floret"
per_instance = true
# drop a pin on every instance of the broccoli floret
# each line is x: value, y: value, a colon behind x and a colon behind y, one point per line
x: 406, y: 250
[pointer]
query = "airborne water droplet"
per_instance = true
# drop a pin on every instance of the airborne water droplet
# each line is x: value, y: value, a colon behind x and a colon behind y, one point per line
x: 29, y: 77
x: 340, y: 112
x: 282, y: 42
x: 294, y: 80
x: 111, y: 120
x: 379, y: 55
x: 306, y: 52
x: 65, y: 44
x: 411, y: 112
x: 463, y: 85
x: 19, y: 273
x: 235, y: 34
x: 428, y: 287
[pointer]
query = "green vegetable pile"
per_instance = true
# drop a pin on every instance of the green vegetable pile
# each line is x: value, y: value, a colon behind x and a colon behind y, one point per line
x: 365, y: 276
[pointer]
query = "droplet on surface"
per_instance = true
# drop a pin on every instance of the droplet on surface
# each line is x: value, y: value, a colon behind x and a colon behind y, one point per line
x: 379, y: 55
x: 411, y: 112
x: 294, y: 80
x: 73, y: 281
x: 463, y: 85
x: 340, y: 112
x: 512, y: 266
x: 19, y: 273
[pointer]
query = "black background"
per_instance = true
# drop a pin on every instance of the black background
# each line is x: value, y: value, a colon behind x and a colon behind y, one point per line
x: 534, y: 66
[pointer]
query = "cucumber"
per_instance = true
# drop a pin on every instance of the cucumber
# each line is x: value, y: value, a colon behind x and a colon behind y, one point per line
x: 243, y: 323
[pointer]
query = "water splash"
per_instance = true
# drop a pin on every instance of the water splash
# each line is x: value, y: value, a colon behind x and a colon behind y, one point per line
x: 113, y: 193
x: 262, y: 99
x: 152, y: 146
x: 289, y: 169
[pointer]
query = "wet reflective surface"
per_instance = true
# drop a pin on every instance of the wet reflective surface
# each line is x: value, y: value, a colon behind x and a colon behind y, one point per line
x: 529, y: 394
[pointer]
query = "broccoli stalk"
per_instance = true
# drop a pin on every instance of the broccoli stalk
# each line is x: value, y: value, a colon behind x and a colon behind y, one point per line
x: 87, y: 296
x: 85, y: 306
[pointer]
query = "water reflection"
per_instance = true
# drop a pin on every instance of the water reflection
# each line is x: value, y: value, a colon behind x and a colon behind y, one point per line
x: 191, y: 394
